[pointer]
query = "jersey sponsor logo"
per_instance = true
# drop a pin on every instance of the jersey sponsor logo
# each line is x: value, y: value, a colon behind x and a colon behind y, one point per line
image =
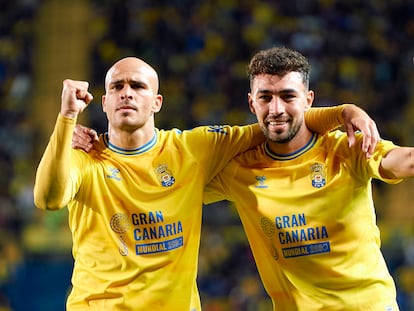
x: 260, y: 182
x: 288, y: 230
x: 270, y: 230
x: 152, y: 226
x: 305, y: 250
x: 318, y: 175
x: 150, y: 233
x: 158, y: 231
x: 120, y: 224
x: 123, y: 246
x: 113, y: 173
x: 164, y: 175
x: 302, y: 235
x: 267, y: 227
x: 159, y: 246
x: 220, y: 129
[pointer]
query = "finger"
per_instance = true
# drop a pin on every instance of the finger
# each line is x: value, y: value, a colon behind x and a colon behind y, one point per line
x: 375, y: 138
x: 87, y: 98
x: 82, y: 134
x: 368, y: 138
x: 93, y: 135
x: 84, y: 95
x: 80, y: 138
x: 351, y: 135
x: 376, y: 132
x: 82, y: 146
x: 79, y: 144
x: 366, y: 143
x: 84, y: 138
x: 82, y: 142
x: 79, y: 129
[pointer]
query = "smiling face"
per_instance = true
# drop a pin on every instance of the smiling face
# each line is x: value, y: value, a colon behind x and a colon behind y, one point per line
x: 131, y: 97
x: 279, y: 103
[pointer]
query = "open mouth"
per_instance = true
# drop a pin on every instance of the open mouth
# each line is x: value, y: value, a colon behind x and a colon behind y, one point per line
x: 277, y: 125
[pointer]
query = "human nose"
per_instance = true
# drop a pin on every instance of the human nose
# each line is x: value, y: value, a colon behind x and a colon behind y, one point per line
x: 126, y: 92
x: 276, y: 106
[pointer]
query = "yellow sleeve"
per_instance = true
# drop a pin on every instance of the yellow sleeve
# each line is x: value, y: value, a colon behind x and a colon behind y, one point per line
x: 53, y: 172
x: 324, y: 119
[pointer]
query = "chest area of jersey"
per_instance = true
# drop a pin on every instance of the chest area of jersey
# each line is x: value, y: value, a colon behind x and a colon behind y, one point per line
x: 311, y: 176
x: 154, y: 172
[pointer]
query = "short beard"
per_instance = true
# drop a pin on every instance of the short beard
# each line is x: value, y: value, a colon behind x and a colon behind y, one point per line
x: 282, y: 139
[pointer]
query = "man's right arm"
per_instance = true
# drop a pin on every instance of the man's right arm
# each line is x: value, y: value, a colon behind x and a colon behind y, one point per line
x: 52, y: 175
x: 53, y: 187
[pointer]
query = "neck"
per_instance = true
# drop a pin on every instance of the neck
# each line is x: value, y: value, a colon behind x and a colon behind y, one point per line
x: 130, y: 140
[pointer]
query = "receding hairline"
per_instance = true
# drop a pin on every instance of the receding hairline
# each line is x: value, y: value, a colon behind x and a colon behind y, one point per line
x: 133, y: 62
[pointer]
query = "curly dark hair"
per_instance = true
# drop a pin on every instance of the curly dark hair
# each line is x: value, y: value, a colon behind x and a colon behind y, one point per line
x: 279, y: 61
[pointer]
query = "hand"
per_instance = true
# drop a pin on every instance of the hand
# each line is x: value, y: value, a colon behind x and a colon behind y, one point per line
x: 357, y: 119
x: 84, y: 138
x: 75, y: 98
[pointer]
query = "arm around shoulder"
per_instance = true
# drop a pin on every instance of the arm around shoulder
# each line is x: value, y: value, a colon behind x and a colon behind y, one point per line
x: 324, y: 119
x: 351, y: 117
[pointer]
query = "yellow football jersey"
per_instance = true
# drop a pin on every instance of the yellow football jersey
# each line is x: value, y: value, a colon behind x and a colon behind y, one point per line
x: 135, y: 215
x: 310, y: 221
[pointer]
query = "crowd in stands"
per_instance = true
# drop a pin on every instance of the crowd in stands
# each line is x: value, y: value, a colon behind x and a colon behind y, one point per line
x: 16, y: 200
x: 360, y: 51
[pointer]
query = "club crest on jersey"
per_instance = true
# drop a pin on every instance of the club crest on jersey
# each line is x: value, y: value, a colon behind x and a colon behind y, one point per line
x: 318, y: 175
x: 164, y: 175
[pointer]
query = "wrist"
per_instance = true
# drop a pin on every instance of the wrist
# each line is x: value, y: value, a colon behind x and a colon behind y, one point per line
x: 69, y: 114
x: 344, y: 110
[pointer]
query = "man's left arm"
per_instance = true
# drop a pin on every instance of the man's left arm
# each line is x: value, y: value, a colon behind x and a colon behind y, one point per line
x: 349, y: 116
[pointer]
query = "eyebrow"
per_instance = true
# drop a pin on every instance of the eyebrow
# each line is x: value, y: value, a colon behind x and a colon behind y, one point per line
x: 130, y: 81
x: 283, y: 91
x: 116, y: 81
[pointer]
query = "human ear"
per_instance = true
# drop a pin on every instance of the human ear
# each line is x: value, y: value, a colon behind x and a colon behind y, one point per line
x: 157, y: 104
x: 250, y: 101
x: 104, y: 103
x: 310, y: 96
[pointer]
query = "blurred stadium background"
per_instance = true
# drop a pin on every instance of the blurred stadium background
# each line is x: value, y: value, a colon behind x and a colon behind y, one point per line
x: 360, y: 51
